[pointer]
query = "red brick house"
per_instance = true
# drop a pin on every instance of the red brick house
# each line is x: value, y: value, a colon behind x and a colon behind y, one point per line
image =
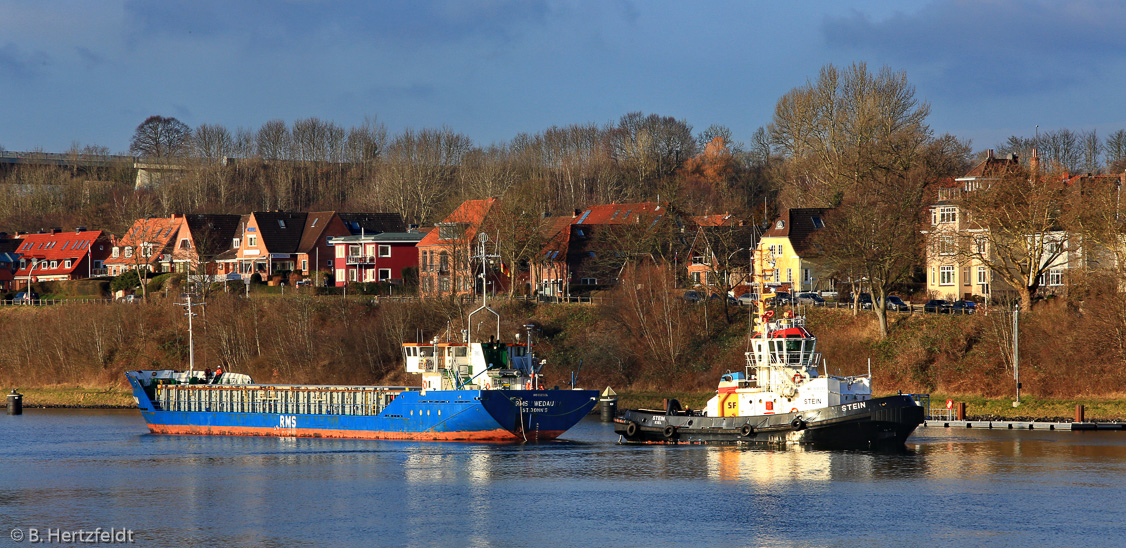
x: 445, y: 267
x: 57, y: 255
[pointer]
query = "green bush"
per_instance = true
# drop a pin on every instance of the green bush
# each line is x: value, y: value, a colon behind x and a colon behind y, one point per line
x: 126, y: 281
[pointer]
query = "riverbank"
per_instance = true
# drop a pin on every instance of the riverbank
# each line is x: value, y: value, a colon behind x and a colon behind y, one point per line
x: 977, y: 408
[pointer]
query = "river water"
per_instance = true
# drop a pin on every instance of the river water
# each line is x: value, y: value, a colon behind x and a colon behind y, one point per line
x: 82, y: 469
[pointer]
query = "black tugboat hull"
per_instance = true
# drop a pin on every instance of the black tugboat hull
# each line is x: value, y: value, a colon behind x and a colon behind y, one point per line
x: 879, y: 422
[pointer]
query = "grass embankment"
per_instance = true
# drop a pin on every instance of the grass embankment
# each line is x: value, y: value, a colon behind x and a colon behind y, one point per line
x: 76, y: 396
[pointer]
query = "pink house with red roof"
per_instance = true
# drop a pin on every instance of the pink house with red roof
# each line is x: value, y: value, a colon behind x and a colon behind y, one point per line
x: 58, y: 255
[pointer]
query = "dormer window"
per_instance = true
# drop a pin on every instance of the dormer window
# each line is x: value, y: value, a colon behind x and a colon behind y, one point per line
x: 281, y: 224
x: 817, y: 222
x: 780, y: 224
x: 235, y: 243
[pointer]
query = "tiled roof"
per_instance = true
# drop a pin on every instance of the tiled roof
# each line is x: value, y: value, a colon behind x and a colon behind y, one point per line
x: 798, y: 225
x: 992, y: 166
x: 61, y: 246
x: 725, y: 219
x: 220, y: 228
x: 315, y: 225
x: 616, y: 214
x: 557, y: 236
x: 471, y: 213
x: 372, y: 222
x: 381, y: 237
x: 157, y: 231
x: 280, y: 231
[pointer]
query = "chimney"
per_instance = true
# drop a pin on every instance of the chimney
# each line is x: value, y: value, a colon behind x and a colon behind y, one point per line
x: 1034, y: 162
x: 988, y: 154
x: 56, y: 229
x: 79, y: 229
x: 576, y: 213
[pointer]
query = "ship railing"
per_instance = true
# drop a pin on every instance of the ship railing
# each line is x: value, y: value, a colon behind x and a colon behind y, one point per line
x: 939, y: 414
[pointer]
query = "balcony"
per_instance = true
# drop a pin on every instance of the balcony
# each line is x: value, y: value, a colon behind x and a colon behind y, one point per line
x: 360, y: 259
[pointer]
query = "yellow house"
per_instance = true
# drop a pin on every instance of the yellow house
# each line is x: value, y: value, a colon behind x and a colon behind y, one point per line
x: 788, y: 242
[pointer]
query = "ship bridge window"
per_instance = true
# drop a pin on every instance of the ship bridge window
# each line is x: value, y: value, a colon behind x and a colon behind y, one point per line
x: 459, y: 351
x: 426, y: 352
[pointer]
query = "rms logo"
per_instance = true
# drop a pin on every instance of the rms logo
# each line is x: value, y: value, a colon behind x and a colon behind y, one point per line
x: 287, y: 421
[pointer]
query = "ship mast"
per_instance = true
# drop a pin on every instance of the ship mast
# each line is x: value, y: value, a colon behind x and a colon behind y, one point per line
x: 483, y: 258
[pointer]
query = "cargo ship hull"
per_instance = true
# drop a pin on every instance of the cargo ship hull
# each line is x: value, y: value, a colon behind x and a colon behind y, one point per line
x: 361, y: 412
x: 874, y: 423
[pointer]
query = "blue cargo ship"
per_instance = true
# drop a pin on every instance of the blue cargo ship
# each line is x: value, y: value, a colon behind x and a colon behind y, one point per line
x: 480, y: 391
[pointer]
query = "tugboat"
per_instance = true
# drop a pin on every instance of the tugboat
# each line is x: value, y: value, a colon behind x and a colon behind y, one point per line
x: 472, y: 391
x: 785, y: 395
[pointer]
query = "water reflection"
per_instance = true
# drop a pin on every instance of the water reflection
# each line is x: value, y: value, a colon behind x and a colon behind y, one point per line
x: 975, y: 487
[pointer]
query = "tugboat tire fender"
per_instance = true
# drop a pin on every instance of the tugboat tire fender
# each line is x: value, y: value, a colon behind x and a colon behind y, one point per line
x: 631, y: 429
x: 797, y: 423
x: 669, y: 431
x: 747, y: 430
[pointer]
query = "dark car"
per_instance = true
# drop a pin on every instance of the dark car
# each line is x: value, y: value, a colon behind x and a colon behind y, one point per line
x: 782, y: 298
x: 692, y: 296
x: 24, y: 297
x: 810, y: 298
x: 893, y: 302
x: 716, y: 297
x: 963, y: 307
x: 864, y: 301
x: 938, y: 306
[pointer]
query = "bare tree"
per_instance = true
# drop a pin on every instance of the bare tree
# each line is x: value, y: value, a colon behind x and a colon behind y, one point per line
x: 847, y: 127
x: 1116, y: 151
x: 160, y: 138
x: 274, y: 141
x: 212, y: 142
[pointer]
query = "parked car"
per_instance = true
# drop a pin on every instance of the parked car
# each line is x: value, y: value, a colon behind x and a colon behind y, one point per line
x: 864, y: 301
x: 24, y: 297
x: 692, y: 296
x: 716, y: 297
x: 810, y: 298
x: 747, y: 299
x: 829, y: 294
x: 782, y: 298
x: 963, y: 307
x: 893, y: 302
x: 937, y: 306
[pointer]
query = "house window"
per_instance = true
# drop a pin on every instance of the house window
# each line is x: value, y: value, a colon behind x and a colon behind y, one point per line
x: 589, y: 281
x: 67, y: 264
x: 947, y: 214
x: 384, y: 251
x: 252, y: 241
x: 777, y: 275
x: 234, y: 243
x: 444, y: 264
x: 805, y: 275
x: 789, y: 274
x: 696, y: 278
x: 116, y: 252
x: 817, y: 222
x: 980, y: 244
x: 128, y: 251
x: 54, y: 264
x: 946, y: 275
x: 281, y: 224
x: 444, y: 283
x: 981, y: 275
x: 23, y: 263
x: 384, y: 274
x: 966, y: 276
x: 353, y: 251
x: 1055, y: 276
x: 185, y: 244
x: 698, y: 259
x: 304, y: 265
x: 352, y: 274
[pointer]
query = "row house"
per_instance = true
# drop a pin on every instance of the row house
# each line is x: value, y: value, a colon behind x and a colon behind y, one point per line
x: 592, y: 246
x: 199, y: 242
x: 147, y: 245
x: 56, y: 255
x: 790, y: 256
x: 445, y: 253
x: 270, y: 242
x: 379, y: 257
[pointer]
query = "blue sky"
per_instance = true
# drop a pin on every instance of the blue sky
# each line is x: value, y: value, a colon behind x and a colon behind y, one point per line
x: 89, y: 72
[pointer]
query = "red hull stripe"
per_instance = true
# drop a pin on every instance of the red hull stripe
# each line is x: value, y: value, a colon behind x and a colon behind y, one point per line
x: 499, y: 434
